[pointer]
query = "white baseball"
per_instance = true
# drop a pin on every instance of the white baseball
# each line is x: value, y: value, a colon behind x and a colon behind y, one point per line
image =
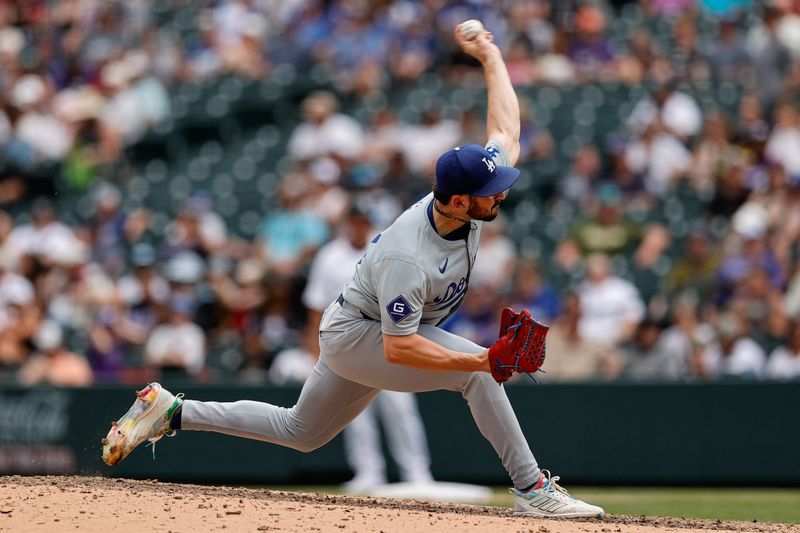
x: 470, y: 29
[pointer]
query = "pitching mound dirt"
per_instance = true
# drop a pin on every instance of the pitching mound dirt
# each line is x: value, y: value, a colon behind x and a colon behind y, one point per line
x: 93, y: 504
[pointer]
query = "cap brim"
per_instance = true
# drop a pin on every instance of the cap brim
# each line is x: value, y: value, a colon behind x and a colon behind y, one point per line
x: 505, y: 178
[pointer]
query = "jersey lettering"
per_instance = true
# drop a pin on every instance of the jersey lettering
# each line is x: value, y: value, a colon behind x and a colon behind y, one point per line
x: 451, y: 294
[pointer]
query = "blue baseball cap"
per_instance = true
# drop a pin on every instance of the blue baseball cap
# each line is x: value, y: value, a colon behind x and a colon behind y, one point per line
x: 470, y: 169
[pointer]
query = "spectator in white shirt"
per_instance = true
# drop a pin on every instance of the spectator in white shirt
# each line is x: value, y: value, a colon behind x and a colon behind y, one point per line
x: 784, y: 361
x: 121, y: 114
x: 677, y: 111
x: 179, y: 343
x: 14, y: 289
x: 659, y: 157
x: 612, y: 307
x: 241, y: 29
x: 37, y: 126
x: 324, y: 132
x: 43, y: 237
x: 423, y: 142
x: 782, y: 145
x: 734, y: 354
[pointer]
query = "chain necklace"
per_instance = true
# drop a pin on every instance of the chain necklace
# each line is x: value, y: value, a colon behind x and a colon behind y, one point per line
x: 448, y: 215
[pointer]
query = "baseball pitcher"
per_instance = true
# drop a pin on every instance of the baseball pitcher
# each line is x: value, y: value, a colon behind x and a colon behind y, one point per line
x: 381, y: 333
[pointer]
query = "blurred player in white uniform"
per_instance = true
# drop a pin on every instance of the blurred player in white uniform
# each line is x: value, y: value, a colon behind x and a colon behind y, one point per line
x: 332, y: 267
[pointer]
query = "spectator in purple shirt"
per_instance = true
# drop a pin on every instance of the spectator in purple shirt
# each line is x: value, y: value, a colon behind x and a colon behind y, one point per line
x: 590, y: 48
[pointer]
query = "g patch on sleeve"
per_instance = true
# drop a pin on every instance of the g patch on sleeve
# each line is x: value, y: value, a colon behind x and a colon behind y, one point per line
x: 398, y: 309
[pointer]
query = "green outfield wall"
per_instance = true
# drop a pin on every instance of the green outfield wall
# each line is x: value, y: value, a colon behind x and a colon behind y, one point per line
x: 727, y: 433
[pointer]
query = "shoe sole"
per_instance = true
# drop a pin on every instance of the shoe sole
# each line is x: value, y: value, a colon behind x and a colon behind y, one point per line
x: 113, y: 450
x: 565, y: 515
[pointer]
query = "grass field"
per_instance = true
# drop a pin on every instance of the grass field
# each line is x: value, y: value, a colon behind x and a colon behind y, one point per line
x: 762, y: 504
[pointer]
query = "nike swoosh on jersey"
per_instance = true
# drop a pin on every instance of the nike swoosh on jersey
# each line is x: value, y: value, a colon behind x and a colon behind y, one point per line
x: 444, y: 266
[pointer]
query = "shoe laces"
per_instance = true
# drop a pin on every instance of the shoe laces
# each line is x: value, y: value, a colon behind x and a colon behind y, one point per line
x: 552, y: 486
x: 169, y: 433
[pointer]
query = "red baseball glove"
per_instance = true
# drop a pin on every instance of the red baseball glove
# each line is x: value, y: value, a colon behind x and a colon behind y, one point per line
x: 507, y: 317
x: 521, y: 346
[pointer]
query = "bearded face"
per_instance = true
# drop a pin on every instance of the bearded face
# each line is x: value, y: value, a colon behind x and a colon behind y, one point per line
x: 485, y: 208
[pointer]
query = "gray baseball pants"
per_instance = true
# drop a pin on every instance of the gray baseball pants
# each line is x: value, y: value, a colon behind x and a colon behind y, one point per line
x: 350, y: 372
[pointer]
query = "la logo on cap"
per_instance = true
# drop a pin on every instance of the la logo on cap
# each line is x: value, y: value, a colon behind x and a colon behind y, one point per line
x: 470, y: 169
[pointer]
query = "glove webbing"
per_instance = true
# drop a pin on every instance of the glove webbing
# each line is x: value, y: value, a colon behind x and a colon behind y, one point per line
x: 515, y: 367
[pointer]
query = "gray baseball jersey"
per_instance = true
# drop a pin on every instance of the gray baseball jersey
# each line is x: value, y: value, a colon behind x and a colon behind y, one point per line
x: 410, y: 274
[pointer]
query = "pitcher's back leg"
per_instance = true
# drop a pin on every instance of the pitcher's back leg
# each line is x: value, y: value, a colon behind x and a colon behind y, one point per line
x: 327, y: 403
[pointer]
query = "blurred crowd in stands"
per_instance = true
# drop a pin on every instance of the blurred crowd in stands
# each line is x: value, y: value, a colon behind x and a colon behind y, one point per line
x: 95, y: 291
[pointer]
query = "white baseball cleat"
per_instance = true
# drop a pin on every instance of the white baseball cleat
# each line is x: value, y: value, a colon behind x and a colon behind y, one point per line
x: 147, y: 419
x: 363, y: 484
x: 553, y: 501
